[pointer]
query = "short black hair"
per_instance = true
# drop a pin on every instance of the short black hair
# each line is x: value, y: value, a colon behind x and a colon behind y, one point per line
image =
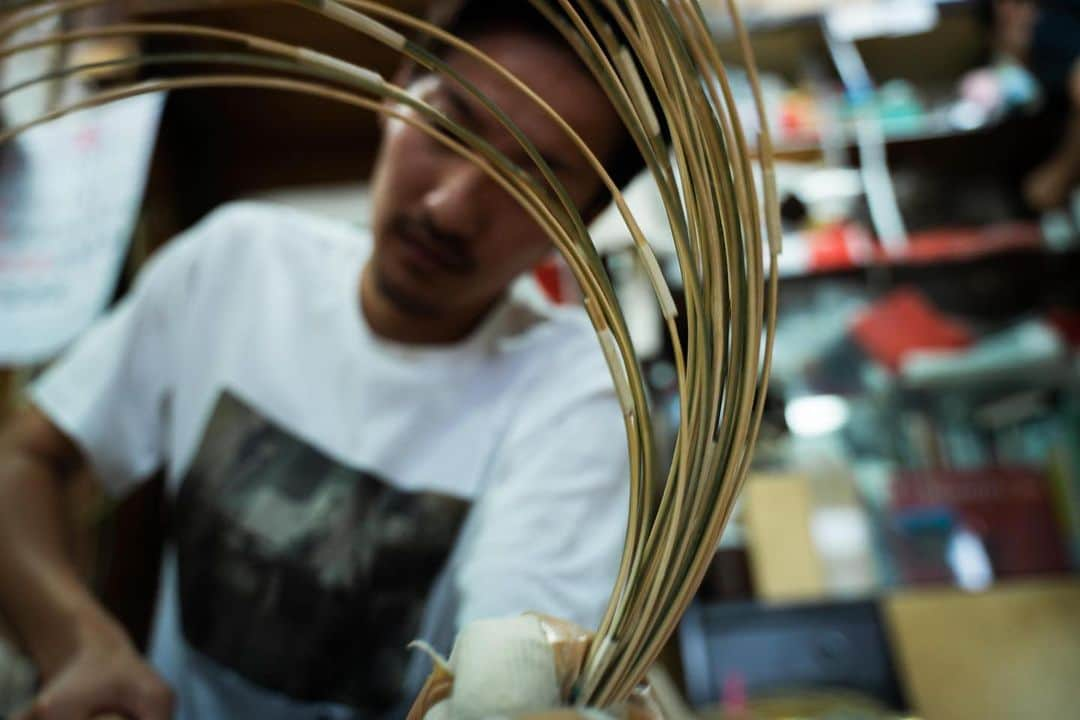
x: 470, y: 18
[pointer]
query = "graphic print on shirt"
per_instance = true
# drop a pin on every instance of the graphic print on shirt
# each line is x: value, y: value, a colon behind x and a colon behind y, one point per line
x: 303, y: 576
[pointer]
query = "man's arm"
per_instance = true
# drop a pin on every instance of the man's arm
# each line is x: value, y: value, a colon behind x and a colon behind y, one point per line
x: 39, y: 586
x: 102, y: 405
x: 86, y: 660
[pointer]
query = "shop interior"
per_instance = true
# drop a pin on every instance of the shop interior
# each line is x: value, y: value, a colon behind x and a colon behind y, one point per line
x: 908, y: 542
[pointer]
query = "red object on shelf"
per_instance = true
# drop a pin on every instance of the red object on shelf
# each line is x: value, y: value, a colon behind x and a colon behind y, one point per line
x: 905, y: 321
x: 959, y: 244
x: 1067, y: 322
x: 839, y: 247
x: 549, y: 277
x: 849, y: 246
x: 556, y: 281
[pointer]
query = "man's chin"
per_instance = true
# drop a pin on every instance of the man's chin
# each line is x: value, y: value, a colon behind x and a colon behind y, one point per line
x: 405, y: 299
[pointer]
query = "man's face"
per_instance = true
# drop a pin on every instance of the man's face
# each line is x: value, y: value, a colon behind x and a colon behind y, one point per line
x: 448, y: 239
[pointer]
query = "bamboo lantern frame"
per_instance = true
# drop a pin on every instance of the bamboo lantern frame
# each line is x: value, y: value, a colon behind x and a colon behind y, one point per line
x: 723, y: 222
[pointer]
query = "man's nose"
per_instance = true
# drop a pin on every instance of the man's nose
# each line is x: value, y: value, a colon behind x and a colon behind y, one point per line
x: 456, y: 203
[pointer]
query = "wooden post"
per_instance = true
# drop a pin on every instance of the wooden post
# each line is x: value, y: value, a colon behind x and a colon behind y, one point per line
x: 8, y: 386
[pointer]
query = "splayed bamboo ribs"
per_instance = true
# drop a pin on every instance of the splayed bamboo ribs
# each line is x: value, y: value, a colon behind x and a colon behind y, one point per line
x: 665, y: 74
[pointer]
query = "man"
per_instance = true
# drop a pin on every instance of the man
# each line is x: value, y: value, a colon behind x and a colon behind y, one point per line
x: 1055, y: 60
x: 326, y: 410
x: 1045, y: 35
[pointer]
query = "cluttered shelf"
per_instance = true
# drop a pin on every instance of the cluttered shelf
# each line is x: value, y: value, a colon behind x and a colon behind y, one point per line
x: 850, y: 247
x: 799, y: 143
x: 762, y: 17
x: 847, y: 247
x: 848, y: 80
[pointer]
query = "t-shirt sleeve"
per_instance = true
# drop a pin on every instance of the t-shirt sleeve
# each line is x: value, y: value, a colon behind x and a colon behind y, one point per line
x: 111, y: 390
x: 549, y: 534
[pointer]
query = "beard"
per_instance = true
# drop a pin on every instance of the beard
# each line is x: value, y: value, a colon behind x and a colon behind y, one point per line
x: 406, y: 302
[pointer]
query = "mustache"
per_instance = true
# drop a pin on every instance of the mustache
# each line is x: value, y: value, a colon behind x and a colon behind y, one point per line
x: 450, y: 251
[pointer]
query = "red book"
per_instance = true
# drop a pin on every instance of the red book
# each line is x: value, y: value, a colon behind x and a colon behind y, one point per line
x: 905, y: 321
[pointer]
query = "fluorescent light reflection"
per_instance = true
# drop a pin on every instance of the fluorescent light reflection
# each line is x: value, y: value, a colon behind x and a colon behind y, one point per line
x: 817, y: 415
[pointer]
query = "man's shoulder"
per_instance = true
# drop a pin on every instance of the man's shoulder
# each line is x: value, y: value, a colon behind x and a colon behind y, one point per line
x: 248, y: 226
x: 530, y: 321
x: 243, y: 246
x: 258, y: 236
x: 558, y: 341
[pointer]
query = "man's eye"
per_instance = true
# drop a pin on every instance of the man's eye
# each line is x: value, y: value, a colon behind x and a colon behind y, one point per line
x: 446, y: 108
x: 439, y: 144
x: 440, y: 130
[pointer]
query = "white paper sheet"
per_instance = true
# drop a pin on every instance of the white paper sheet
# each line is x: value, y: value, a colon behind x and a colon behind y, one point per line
x: 70, y: 193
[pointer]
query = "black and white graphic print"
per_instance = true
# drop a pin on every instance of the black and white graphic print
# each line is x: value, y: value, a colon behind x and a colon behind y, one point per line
x: 305, y: 577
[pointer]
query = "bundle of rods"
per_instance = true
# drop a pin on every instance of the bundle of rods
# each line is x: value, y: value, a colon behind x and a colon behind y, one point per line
x: 664, y: 76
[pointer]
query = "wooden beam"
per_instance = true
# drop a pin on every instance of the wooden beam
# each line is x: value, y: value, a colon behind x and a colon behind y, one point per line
x: 8, y: 392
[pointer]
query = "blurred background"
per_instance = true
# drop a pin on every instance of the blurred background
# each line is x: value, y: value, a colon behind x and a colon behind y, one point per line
x: 909, y: 541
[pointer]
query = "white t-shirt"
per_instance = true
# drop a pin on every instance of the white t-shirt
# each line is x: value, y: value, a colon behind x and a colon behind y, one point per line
x: 325, y: 480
